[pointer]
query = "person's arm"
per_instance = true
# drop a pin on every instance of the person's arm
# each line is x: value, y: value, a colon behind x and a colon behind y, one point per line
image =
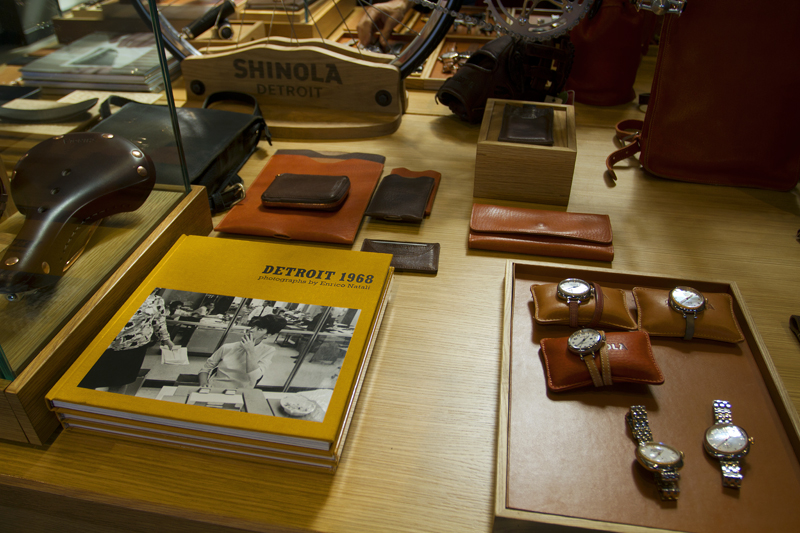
x: 210, y: 364
x: 161, y: 323
x: 381, y: 18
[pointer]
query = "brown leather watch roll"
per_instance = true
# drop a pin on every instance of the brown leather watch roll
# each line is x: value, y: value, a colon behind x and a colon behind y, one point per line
x: 629, y: 360
x: 610, y: 310
x: 714, y: 320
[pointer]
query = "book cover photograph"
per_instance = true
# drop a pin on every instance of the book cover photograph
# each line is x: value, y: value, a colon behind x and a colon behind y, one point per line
x: 264, y: 343
x: 228, y: 352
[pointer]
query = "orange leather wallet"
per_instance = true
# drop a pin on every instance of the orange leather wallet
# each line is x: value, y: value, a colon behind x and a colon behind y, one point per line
x: 533, y: 231
x: 550, y: 309
x: 250, y: 217
x: 630, y: 360
x: 715, y: 322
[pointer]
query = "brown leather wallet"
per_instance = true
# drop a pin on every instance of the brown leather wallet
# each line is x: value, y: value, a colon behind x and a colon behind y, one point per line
x: 716, y: 322
x: 306, y: 191
x: 550, y: 309
x: 398, y: 198
x: 630, y: 358
x: 437, y: 176
x: 534, y: 231
x: 422, y: 257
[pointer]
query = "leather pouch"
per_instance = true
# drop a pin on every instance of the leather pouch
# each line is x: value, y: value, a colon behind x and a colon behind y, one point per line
x: 407, y: 256
x: 217, y: 143
x: 527, y: 124
x: 306, y: 191
x: 533, y: 231
x: 250, y: 217
x: 630, y: 358
x: 550, y: 309
x: 401, y: 199
x: 437, y: 177
x: 716, y: 322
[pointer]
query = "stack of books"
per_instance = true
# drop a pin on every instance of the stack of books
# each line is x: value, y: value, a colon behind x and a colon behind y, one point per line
x: 102, y: 60
x: 278, y: 340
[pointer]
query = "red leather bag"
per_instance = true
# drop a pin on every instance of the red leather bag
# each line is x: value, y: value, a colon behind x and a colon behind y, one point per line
x: 608, y: 46
x: 722, y: 109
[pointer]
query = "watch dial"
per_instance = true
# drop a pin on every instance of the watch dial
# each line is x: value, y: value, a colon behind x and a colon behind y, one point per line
x: 687, y: 297
x: 584, y: 340
x: 726, y: 438
x: 574, y: 287
x: 658, y: 453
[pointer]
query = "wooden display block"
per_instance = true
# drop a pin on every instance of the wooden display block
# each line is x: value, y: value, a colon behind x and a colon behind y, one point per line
x: 321, y: 20
x: 566, y: 460
x: 525, y: 172
x: 23, y: 413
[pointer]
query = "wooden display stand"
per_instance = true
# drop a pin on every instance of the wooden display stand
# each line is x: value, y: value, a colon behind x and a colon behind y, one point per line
x: 526, y: 172
x: 23, y: 413
x: 306, y: 91
x: 567, y: 459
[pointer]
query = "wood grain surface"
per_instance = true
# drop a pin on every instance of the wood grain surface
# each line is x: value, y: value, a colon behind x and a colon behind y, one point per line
x: 421, y: 451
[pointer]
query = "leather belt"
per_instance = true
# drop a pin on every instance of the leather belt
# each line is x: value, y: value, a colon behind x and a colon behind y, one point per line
x: 62, y: 113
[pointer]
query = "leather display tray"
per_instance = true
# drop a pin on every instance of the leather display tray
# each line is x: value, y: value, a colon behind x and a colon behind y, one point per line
x: 568, y: 459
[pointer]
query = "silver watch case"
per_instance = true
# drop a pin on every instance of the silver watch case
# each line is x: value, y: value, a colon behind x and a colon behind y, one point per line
x: 580, y: 298
x: 719, y: 454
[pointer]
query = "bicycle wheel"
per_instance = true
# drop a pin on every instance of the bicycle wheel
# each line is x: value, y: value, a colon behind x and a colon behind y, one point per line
x: 424, y: 41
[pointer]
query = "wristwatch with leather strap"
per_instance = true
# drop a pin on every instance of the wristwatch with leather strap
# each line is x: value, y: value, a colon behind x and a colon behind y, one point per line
x: 576, y: 292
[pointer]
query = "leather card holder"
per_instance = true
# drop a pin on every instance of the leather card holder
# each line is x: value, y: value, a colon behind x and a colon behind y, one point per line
x: 550, y: 309
x: 422, y: 257
x: 716, y: 322
x: 539, y: 232
x: 630, y: 358
x: 527, y: 124
x: 398, y: 198
x: 306, y: 191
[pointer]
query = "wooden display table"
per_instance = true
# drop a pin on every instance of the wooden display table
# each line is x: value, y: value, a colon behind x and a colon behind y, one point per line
x: 421, y: 450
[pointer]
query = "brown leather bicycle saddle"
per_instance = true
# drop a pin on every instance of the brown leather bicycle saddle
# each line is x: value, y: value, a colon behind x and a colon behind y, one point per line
x: 65, y: 186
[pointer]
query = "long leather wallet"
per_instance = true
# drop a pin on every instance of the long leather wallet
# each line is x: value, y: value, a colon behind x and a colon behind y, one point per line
x: 402, y: 199
x: 630, y: 359
x: 420, y: 257
x: 307, y: 191
x: 528, y: 124
x: 533, y: 231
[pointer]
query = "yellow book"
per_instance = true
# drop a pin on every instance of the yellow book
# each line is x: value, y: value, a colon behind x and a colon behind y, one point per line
x: 275, y: 335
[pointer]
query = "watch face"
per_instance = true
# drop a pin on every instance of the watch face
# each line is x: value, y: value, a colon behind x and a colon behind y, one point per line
x: 726, y: 439
x: 574, y: 288
x: 585, y: 341
x: 687, y: 298
x: 659, y: 454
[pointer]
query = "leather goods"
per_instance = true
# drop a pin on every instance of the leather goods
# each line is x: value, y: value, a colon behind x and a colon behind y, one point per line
x: 422, y: 257
x: 401, y: 199
x: 65, y: 186
x: 700, y: 117
x: 437, y: 177
x: 303, y: 191
x: 62, y: 113
x: 549, y: 309
x: 608, y: 47
x: 509, y: 69
x: 534, y: 231
x: 716, y: 322
x: 527, y: 124
x: 630, y: 358
x: 216, y: 143
x: 249, y: 217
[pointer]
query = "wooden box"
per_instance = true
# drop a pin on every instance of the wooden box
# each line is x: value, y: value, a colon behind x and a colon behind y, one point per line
x: 566, y: 460
x: 525, y: 172
x: 53, y: 338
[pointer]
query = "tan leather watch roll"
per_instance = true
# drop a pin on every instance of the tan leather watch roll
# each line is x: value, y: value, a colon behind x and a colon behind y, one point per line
x: 713, y: 320
x: 577, y: 306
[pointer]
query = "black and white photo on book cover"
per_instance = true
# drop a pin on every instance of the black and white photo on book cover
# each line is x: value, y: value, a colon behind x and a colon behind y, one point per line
x: 228, y: 352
